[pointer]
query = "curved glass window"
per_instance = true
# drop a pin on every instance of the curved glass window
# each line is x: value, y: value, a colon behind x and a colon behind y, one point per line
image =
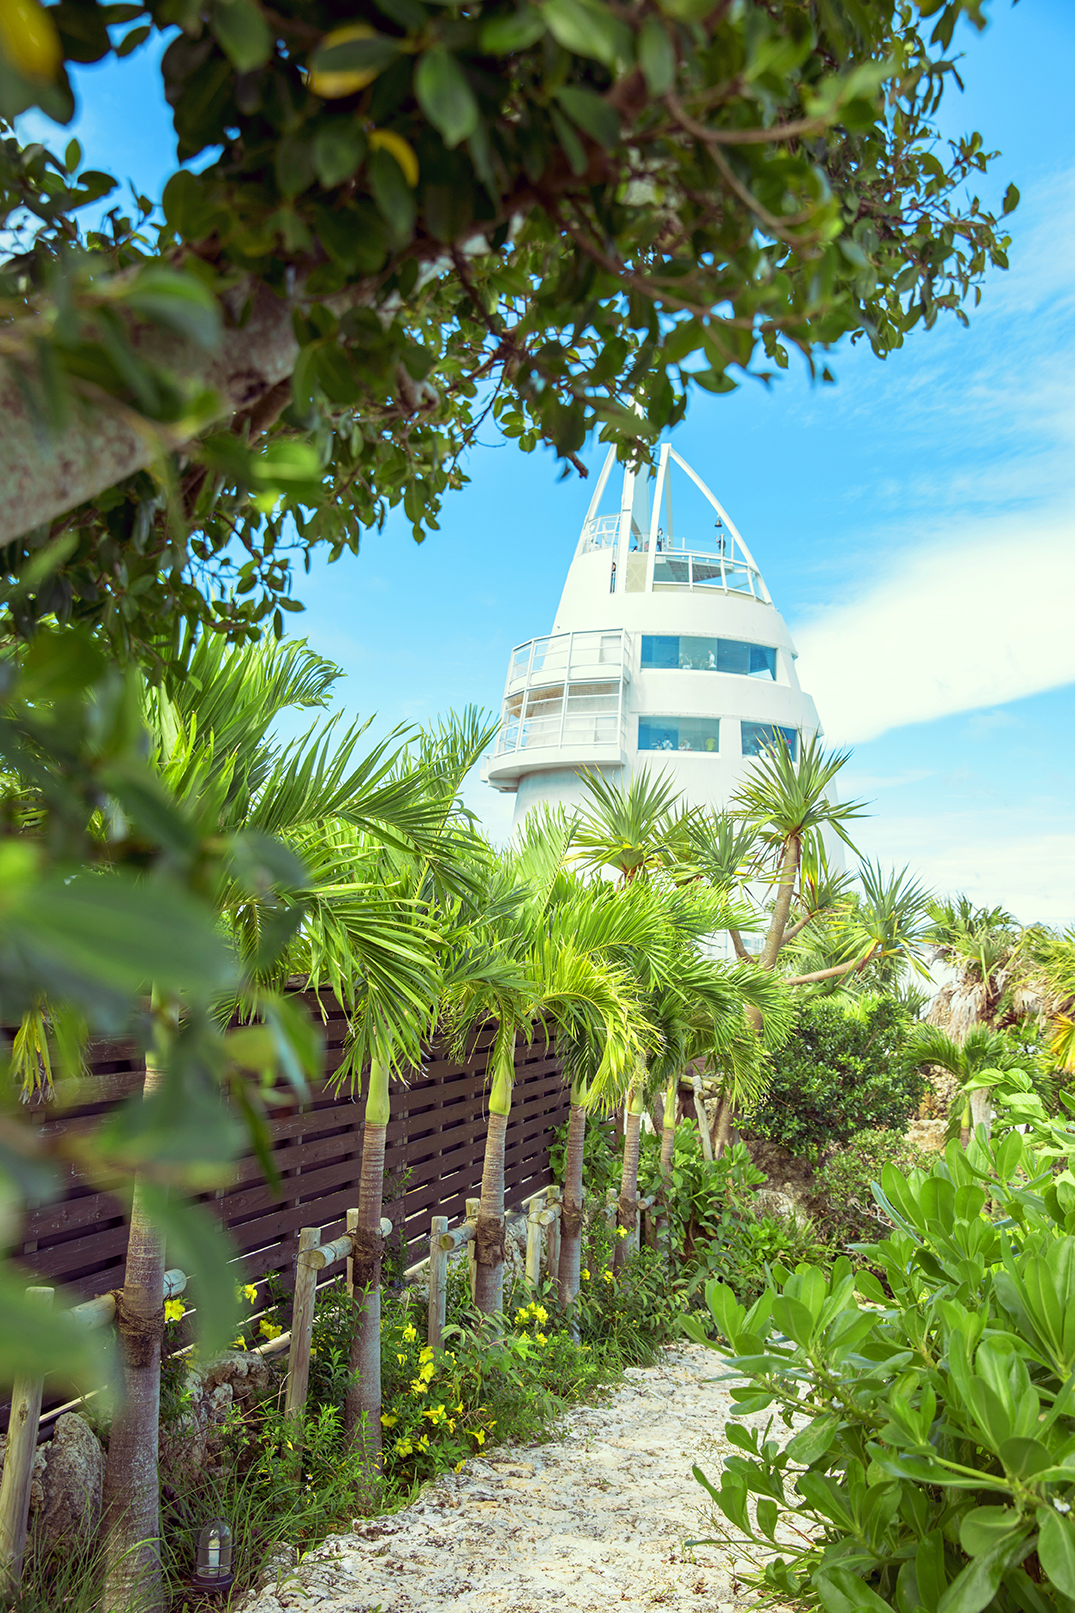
x: 761, y: 736
x: 700, y: 734
x: 661, y: 650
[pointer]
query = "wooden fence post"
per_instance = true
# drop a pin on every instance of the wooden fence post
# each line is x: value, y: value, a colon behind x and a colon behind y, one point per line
x: 533, y: 1243
x: 438, y: 1281
x: 302, y: 1324
x: 473, y: 1206
x: 19, y: 1467
x: 552, y: 1247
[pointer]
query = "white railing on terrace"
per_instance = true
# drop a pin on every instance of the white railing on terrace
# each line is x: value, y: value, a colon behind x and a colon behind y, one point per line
x: 568, y: 655
x: 679, y: 569
x: 600, y: 533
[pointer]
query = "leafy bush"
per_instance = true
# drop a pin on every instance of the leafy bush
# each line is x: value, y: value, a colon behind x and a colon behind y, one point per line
x: 843, y: 1070
x: 843, y: 1188
x: 699, y: 1193
x: 601, y: 1162
x: 935, y: 1469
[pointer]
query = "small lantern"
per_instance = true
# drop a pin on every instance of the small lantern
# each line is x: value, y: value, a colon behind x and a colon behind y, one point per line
x: 213, y: 1570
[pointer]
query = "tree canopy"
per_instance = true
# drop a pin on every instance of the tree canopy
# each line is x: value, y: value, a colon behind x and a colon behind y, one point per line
x: 409, y: 215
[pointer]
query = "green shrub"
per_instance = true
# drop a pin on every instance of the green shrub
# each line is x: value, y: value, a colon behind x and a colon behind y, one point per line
x: 842, y: 1071
x: 935, y: 1468
x: 698, y: 1194
x: 601, y: 1161
x: 843, y: 1189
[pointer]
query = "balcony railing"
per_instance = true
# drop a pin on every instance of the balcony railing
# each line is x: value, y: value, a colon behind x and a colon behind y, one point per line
x: 566, y: 692
x: 568, y: 655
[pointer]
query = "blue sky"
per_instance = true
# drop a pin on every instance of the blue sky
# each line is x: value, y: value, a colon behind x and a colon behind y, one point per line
x: 915, y: 522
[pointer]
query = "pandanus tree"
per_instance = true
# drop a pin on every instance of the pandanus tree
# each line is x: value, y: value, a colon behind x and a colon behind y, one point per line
x: 982, y: 1051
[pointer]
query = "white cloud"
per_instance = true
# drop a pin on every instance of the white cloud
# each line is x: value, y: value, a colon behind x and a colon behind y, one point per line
x: 985, y: 619
x: 994, y: 857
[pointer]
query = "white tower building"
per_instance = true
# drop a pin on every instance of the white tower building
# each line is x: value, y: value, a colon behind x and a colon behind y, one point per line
x: 666, y: 652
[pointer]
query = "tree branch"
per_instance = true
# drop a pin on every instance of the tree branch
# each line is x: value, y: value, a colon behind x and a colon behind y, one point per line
x: 831, y: 974
x: 740, y: 950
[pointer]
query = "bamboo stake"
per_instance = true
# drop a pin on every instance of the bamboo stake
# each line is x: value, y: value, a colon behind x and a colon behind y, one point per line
x: 19, y: 1468
x: 552, y: 1248
x: 438, y: 1281
x: 533, y: 1244
x: 473, y: 1207
x: 352, y: 1226
x: 302, y: 1324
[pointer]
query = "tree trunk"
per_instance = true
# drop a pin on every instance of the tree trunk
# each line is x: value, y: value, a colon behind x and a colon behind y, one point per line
x: 362, y: 1403
x: 782, y: 906
x: 47, y: 475
x: 489, y: 1232
x: 570, y: 1265
x: 699, y: 1110
x: 668, y: 1128
x: 721, y: 1136
x: 627, y: 1217
x: 130, y: 1522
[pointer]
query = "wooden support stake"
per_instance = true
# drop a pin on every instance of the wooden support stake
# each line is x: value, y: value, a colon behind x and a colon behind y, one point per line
x: 19, y: 1468
x: 352, y: 1226
x: 552, y: 1247
x: 473, y: 1206
x: 302, y: 1325
x: 438, y: 1281
x: 533, y: 1243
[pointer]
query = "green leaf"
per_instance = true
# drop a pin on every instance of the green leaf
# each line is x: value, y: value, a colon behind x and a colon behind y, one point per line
x: 588, y: 29
x: 813, y: 1440
x: 1024, y: 1457
x: 500, y: 36
x: 976, y: 1586
x: 591, y: 113
x: 841, y: 1591
x: 1011, y: 199
x: 38, y: 1338
x: 339, y: 150
x: 445, y: 96
x: 187, y: 208
x: 180, y: 302
x: 288, y: 465
x: 1056, y: 1549
x: 793, y: 1319
x: 393, y: 195
x: 356, y: 55
x: 127, y: 933
x: 656, y: 56
x: 243, y: 33
x: 982, y: 1527
x: 195, y: 1242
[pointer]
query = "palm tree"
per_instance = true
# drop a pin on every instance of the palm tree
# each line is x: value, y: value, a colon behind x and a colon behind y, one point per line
x: 632, y: 828
x: 981, y: 1050
x: 785, y: 802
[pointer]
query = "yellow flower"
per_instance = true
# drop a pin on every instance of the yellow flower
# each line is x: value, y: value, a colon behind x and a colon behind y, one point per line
x: 522, y: 1316
x: 460, y: 1406
x: 389, y: 1419
x: 621, y: 1232
x: 435, y: 1414
x: 478, y: 1434
x: 426, y: 1370
x: 426, y: 1354
x: 585, y: 1275
x: 419, y: 1386
x: 313, y: 1351
x: 400, y: 1358
x: 459, y: 1467
x: 249, y: 1291
x: 238, y: 1344
x: 174, y: 1310
x: 539, y: 1313
x: 541, y: 1338
x: 409, y: 1334
x: 269, y: 1329
x: 403, y: 1447
x: 607, y: 1275
x: 451, y: 1428
x: 423, y: 1443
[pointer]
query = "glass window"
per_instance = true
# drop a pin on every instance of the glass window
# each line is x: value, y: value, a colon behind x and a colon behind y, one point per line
x: 761, y: 736
x: 664, y: 650
x: 700, y: 734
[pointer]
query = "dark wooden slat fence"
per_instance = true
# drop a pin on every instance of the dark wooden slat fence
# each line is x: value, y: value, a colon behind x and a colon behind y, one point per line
x: 433, y: 1160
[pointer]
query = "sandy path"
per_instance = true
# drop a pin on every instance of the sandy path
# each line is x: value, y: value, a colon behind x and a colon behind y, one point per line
x: 593, y: 1520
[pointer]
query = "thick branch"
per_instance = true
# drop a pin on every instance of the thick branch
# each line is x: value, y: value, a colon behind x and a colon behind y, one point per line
x: 831, y: 974
x: 794, y: 930
x: 740, y: 950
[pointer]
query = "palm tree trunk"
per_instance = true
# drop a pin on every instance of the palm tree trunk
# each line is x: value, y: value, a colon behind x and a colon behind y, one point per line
x: 782, y: 906
x: 489, y: 1232
x: 130, y: 1522
x: 627, y: 1218
x: 570, y: 1267
x: 668, y: 1129
x: 362, y: 1403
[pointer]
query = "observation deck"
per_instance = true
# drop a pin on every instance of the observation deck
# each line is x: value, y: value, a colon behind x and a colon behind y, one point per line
x: 564, y: 705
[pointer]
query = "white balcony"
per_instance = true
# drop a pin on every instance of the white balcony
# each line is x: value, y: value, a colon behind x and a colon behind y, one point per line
x: 563, y: 706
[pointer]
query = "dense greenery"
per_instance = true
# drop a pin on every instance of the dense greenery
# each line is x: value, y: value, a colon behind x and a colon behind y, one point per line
x: 414, y: 213
x: 933, y: 1460
x: 843, y: 1070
